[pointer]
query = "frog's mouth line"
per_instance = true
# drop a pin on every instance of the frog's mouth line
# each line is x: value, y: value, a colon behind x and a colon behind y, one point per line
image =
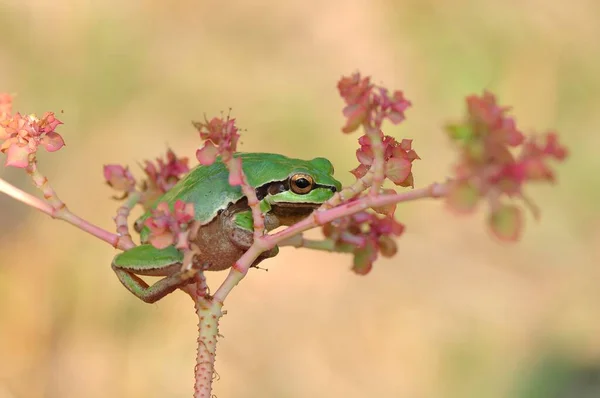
x: 290, y: 208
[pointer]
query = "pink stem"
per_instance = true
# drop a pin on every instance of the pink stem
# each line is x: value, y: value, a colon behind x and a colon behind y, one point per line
x: 257, y: 215
x: 329, y: 245
x: 378, y: 165
x: 62, y: 214
x: 239, y: 269
x: 349, y: 192
x: 122, y: 216
x: 41, y: 182
x: 435, y: 190
x: 26, y: 198
x: 209, y: 312
x: 249, y: 192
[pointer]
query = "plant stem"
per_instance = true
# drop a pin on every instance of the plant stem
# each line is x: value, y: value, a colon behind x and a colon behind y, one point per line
x: 239, y: 269
x: 62, y: 214
x: 209, y: 312
x: 321, y: 217
x: 328, y: 245
x: 26, y: 198
x: 41, y: 182
x: 123, y: 215
x: 249, y: 192
x: 378, y: 165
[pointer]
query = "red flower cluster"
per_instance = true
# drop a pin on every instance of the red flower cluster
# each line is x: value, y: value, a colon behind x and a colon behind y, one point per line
x: 368, y: 234
x: 369, y: 105
x: 530, y: 165
x: 165, y: 174
x: 398, y: 158
x: 170, y: 227
x: 20, y: 135
x: 162, y: 176
x: 488, y: 168
x: 220, y: 136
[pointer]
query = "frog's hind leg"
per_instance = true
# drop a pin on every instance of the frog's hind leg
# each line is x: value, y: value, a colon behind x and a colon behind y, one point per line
x: 158, y: 290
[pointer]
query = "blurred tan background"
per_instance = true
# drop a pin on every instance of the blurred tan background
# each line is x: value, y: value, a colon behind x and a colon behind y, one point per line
x: 455, y: 314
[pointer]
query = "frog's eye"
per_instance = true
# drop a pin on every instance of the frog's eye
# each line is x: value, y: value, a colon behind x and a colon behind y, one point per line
x: 301, y: 183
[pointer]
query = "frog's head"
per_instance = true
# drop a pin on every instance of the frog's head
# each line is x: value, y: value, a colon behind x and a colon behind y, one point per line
x: 302, y: 187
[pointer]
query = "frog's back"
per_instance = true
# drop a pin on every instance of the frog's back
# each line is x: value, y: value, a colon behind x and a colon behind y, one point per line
x: 208, y: 186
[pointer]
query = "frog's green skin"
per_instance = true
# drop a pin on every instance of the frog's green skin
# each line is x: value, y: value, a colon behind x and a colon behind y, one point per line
x: 225, y: 219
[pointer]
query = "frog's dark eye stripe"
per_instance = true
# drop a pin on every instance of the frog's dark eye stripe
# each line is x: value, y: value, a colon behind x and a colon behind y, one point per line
x: 272, y: 188
x: 276, y: 188
x: 301, y: 183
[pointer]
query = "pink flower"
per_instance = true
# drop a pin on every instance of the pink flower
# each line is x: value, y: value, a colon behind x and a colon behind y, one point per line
x: 368, y: 234
x: 170, y: 227
x: 496, y: 161
x: 220, y: 138
x: 369, y: 105
x: 21, y: 136
x: 165, y: 174
x: 398, y: 158
x: 119, y: 177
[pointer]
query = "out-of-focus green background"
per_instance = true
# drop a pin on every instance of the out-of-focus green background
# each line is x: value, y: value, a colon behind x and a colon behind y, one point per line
x: 454, y: 314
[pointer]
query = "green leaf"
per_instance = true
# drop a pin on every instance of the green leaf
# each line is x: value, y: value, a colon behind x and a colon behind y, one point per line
x: 507, y: 222
x: 363, y: 258
x: 463, y: 196
x: 460, y: 132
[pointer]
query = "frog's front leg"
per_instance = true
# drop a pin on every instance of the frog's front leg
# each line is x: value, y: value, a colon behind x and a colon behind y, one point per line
x: 241, y: 225
x: 149, y: 261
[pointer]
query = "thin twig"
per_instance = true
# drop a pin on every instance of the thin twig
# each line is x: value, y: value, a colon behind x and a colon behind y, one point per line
x: 123, y: 215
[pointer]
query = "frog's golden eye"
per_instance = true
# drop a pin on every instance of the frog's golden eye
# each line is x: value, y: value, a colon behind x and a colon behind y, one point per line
x: 301, y: 183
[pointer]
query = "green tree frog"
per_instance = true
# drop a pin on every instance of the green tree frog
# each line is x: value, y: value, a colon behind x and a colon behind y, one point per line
x: 288, y: 190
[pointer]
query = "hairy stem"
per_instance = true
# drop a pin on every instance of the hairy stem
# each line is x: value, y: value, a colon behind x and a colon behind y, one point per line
x: 209, y: 312
x: 123, y: 215
x: 26, y: 198
x: 234, y: 165
x: 257, y: 215
x: 349, y: 192
x: 321, y: 217
x: 62, y: 214
x: 329, y: 245
x: 41, y: 182
x: 378, y: 166
x: 240, y: 269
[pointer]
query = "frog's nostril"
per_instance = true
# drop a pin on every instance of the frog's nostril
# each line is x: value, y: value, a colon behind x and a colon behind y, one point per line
x: 333, y: 189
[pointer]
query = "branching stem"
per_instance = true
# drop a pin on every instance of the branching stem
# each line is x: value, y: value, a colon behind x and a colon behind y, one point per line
x: 123, y: 215
x: 61, y: 213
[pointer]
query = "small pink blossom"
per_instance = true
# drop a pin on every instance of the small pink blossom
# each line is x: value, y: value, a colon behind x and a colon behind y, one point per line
x: 119, y: 177
x: 163, y: 175
x: 220, y: 137
x: 207, y: 154
x: 170, y: 227
x: 398, y: 158
x: 20, y: 137
x: 368, y: 234
x: 369, y: 105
